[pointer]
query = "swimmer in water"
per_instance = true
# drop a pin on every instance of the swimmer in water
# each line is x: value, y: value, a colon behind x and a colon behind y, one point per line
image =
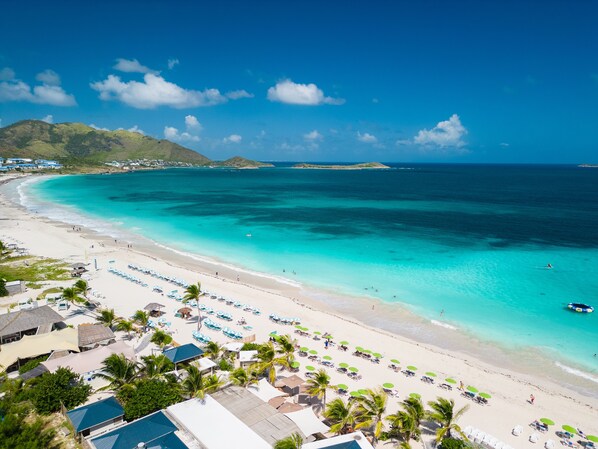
x: 549, y: 266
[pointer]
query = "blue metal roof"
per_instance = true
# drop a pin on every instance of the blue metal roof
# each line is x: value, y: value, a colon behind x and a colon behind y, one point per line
x: 182, y: 353
x: 155, y: 430
x: 93, y: 414
x: 345, y: 445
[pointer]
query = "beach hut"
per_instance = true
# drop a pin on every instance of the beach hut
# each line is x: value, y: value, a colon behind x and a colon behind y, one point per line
x: 96, y: 417
x: 94, y: 335
x: 291, y: 384
x: 183, y: 353
x: 154, y: 308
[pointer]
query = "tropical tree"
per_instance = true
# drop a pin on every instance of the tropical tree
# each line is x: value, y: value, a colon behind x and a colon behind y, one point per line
x: 119, y: 371
x: 370, y: 410
x: 341, y: 415
x: 197, y: 385
x: 193, y: 292
x: 156, y: 366
x: 107, y: 317
x: 141, y: 317
x: 405, y: 423
x: 70, y: 294
x: 161, y: 338
x: 443, y: 413
x: 213, y: 350
x: 61, y: 387
x: 285, y: 345
x: 243, y: 377
x: 293, y: 441
x: 269, y: 359
x: 81, y: 287
x: 125, y: 326
x: 319, y: 384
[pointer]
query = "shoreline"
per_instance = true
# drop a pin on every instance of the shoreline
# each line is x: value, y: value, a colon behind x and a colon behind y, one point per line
x: 353, y: 320
x: 392, y: 319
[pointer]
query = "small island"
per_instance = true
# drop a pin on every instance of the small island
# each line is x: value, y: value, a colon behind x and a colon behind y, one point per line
x: 241, y: 163
x: 362, y: 166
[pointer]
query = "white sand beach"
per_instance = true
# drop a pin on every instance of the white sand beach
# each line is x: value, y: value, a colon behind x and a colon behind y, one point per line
x: 510, y: 389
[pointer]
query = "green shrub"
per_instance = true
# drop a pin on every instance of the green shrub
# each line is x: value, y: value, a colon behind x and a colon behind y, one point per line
x: 31, y: 364
x: 64, y: 386
x: 250, y: 347
x: 149, y: 396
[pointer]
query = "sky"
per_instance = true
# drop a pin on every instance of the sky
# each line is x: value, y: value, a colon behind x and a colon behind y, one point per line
x: 510, y: 81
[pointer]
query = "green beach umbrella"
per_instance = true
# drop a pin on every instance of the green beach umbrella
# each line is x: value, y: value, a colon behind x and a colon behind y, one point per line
x: 388, y: 385
x: 327, y: 357
x: 273, y: 333
x: 304, y: 349
x: 487, y: 396
x: 353, y: 369
x: 298, y: 326
x: 472, y: 389
x: 342, y: 387
x: 377, y: 355
x: 450, y: 380
x: 547, y: 421
x: 570, y: 429
x: 328, y: 337
x: 367, y: 351
x: 344, y: 343
x: 295, y: 365
x: 593, y: 438
x: 430, y: 374
x: 412, y: 368
x: 355, y: 394
x: 343, y: 365
x: 362, y: 391
x: 310, y: 368
x: 313, y: 352
x: 360, y: 349
x: 415, y: 395
x: 395, y: 361
x: 318, y: 333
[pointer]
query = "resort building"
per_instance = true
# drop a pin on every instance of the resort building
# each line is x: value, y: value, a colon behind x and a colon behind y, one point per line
x: 93, y: 335
x: 15, y: 287
x: 36, y: 321
x: 97, y: 417
x: 184, y: 353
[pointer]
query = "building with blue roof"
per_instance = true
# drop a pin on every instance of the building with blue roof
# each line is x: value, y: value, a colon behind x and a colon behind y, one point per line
x: 93, y: 417
x: 183, y: 353
x: 154, y: 431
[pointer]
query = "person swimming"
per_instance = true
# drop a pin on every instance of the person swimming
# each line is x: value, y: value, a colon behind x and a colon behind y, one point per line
x: 549, y: 266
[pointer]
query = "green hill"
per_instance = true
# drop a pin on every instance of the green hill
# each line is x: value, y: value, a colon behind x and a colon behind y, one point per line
x: 241, y: 162
x: 76, y: 142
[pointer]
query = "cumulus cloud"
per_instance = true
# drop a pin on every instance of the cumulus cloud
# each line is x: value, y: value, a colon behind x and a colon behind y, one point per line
x: 233, y: 138
x: 448, y: 133
x: 96, y: 127
x: 49, y: 92
x: 155, y: 91
x: 48, y: 118
x: 237, y: 94
x: 49, y: 77
x: 366, y: 137
x: 313, y: 136
x: 136, y: 129
x: 172, y: 133
x: 172, y: 63
x: 286, y: 91
x: 192, y: 123
x: 132, y: 66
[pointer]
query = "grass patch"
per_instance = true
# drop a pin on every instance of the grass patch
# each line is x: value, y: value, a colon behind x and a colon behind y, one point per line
x: 49, y: 291
x: 34, y: 269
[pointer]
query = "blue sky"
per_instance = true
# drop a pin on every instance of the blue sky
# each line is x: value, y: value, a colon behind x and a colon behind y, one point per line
x: 462, y: 81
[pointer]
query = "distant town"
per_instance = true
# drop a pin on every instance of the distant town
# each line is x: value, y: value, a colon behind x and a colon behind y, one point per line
x: 19, y: 163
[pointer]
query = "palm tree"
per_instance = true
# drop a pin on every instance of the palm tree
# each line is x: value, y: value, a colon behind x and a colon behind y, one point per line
x: 285, y: 345
x: 193, y: 292
x: 70, y: 294
x: 405, y: 424
x: 106, y: 317
x: 293, y: 441
x: 161, y: 338
x: 196, y: 385
x: 156, y: 366
x: 269, y: 360
x: 125, y: 326
x: 370, y: 409
x: 341, y: 415
x: 213, y: 350
x: 242, y: 377
x: 141, y: 317
x: 81, y: 287
x: 443, y: 413
x: 318, y: 385
x: 119, y: 371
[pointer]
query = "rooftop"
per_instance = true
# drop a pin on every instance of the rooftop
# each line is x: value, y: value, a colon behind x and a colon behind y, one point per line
x: 90, y: 334
x: 22, y: 320
x: 91, y: 415
x: 183, y: 353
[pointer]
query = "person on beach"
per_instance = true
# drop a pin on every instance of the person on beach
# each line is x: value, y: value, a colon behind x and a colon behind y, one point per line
x: 532, y: 398
x: 461, y: 386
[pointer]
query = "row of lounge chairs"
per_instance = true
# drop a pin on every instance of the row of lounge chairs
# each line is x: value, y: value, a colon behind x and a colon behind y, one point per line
x: 202, y: 338
x: 155, y: 274
x: 283, y: 320
x: 127, y: 276
x: 482, y: 438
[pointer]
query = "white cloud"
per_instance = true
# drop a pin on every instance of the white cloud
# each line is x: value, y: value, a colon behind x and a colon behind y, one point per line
x: 192, y: 123
x: 172, y: 62
x: 237, y: 94
x: 94, y: 126
x: 504, y: 144
x: 132, y: 66
x: 286, y: 91
x: 49, y: 77
x: 366, y: 137
x: 48, y: 118
x: 172, y: 133
x: 233, y: 138
x: 448, y: 133
x: 136, y: 129
x: 12, y: 89
x: 313, y: 136
x: 7, y: 74
x: 155, y: 91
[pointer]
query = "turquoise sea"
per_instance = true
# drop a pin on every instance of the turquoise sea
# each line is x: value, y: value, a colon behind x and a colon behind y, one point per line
x: 463, y: 244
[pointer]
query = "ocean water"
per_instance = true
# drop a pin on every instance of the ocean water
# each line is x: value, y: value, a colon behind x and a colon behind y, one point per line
x: 466, y: 246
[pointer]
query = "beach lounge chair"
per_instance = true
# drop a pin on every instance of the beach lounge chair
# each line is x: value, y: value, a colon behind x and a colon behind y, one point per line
x: 534, y: 437
x: 517, y: 430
